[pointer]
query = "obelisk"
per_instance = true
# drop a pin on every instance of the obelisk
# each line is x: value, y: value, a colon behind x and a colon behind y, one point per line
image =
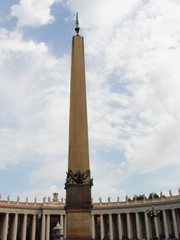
x: 78, y: 182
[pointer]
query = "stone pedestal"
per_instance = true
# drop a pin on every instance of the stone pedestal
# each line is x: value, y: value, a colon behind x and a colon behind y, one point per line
x: 78, y: 211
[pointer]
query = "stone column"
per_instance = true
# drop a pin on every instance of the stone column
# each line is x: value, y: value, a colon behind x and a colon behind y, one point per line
x: 102, y: 226
x: 156, y: 226
x: 165, y: 224
x: 138, y: 225
x: 62, y: 221
x: 33, y: 230
x: 65, y: 226
x: 178, y: 221
x: 15, y: 226
x: 47, y: 227
x: 43, y: 227
x: 5, y: 226
x: 129, y: 233
x: 120, y: 232
x: 147, y: 225
x: 111, y: 227
x: 24, y: 227
x: 93, y: 227
x: 175, y: 224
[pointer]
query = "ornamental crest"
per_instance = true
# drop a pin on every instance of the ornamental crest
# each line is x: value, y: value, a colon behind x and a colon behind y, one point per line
x: 78, y: 177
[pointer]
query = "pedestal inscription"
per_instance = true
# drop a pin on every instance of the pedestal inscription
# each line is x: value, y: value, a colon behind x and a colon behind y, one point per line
x: 79, y: 224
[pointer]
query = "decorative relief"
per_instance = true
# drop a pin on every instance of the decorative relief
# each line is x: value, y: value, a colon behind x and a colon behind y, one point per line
x: 78, y: 178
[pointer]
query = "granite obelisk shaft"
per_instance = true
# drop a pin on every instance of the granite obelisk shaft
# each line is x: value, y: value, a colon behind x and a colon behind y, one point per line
x: 78, y: 128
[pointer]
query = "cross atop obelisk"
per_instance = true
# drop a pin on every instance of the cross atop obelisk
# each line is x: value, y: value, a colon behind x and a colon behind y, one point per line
x: 77, y: 28
x: 78, y: 182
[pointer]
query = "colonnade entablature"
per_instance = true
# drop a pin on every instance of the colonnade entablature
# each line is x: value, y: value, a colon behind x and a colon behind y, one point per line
x: 96, y: 205
x: 136, y: 202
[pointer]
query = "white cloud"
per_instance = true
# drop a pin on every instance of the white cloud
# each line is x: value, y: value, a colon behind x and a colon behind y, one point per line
x: 102, y: 13
x: 132, y: 58
x: 33, y: 13
x: 140, y: 49
x: 34, y: 99
x: 105, y: 182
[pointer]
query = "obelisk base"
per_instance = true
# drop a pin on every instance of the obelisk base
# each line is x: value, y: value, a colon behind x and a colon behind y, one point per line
x: 78, y: 212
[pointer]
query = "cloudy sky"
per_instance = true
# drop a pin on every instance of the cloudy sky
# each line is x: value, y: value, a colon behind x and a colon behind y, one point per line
x: 132, y: 51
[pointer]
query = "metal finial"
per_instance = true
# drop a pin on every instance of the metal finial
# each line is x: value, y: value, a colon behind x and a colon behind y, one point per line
x: 77, y: 28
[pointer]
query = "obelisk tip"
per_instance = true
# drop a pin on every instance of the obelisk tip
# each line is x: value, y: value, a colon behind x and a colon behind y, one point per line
x: 77, y: 28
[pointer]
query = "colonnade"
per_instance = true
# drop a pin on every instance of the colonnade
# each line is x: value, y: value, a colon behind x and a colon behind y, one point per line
x: 25, y: 226
x: 136, y: 225
x: 113, y: 226
x: 111, y: 220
